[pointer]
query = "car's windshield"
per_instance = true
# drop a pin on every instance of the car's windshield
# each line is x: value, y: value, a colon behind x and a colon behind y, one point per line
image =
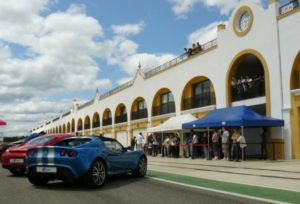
x: 41, y: 140
x: 73, y: 142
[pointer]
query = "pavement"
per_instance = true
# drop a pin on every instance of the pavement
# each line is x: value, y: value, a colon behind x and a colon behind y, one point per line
x: 274, y: 174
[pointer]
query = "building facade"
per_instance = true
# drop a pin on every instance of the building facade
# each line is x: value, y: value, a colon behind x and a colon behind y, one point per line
x: 254, y: 61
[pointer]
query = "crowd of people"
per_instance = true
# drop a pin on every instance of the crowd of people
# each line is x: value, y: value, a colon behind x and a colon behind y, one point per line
x: 248, y: 86
x: 222, y: 144
x: 196, y: 47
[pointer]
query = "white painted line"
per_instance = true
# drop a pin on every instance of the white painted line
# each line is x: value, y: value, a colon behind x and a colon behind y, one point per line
x: 219, y: 191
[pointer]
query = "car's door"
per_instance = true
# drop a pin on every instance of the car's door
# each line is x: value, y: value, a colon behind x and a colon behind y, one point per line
x: 116, y: 156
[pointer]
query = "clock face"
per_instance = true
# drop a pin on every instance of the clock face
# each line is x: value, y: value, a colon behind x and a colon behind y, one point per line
x: 244, y: 21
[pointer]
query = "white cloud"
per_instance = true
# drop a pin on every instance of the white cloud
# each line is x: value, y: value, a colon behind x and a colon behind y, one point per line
x: 204, y: 34
x: 182, y: 7
x: 128, y: 29
x: 59, y: 55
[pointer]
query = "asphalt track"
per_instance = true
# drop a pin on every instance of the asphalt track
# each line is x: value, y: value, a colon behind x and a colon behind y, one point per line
x: 121, y: 189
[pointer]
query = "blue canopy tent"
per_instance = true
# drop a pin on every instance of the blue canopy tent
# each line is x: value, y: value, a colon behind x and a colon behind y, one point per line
x: 233, y: 117
x: 241, y: 116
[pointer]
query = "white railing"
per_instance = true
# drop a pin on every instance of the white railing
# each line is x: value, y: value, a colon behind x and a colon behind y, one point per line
x: 158, y: 69
x: 182, y: 57
x: 289, y: 7
x: 117, y: 89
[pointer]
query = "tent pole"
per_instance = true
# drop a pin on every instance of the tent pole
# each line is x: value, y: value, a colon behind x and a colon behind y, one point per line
x: 240, y: 144
x: 208, y: 142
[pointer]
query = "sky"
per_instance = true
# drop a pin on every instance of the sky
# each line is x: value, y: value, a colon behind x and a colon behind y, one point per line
x: 53, y: 51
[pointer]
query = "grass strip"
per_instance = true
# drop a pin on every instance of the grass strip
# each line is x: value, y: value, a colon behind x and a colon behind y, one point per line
x: 255, y: 191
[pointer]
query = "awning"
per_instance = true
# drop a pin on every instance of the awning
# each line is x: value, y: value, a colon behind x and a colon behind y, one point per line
x: 172, y: 124
x: 233, y: 117
x: 2, y: 122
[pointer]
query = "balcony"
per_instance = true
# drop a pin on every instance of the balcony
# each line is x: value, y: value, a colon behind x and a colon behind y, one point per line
x: 121, y: 118
x: 288, y: 7
x: 164, y: 109
x: 107, y: 122
x: 139, y: 114
x: 199, y: 101
x: 246, y: 90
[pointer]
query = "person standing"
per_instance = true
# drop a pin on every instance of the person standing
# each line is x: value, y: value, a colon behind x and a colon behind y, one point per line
x: 167, y: 146
x: 234, y: 147
x: 194, y: 143
x: 139, y: 141
x: 215, y: 141
x: 242, y: 146
x: 264, y: 143
x: 225, y: 136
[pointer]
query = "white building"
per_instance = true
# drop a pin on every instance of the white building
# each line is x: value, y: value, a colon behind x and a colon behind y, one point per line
x: 254, y: 61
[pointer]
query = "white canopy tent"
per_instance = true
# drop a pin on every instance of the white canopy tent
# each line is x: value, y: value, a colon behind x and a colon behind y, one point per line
x: 172, y: 124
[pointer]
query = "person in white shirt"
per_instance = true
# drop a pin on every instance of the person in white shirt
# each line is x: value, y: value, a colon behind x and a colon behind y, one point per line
x: 242, y: 146
x: 225, y: 136
x: 139, y: 141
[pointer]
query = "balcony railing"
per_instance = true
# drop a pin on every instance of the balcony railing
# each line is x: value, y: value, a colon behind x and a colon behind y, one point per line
x: 182, y: 57
x: 289, y: 7
x: 107, y: 122
x: 247, y: 90
x: 164, y: 109
x: 96, y: 124
x: 87, y: 126
x: 79, y: 128
x: 139, y: 114
x: 199, y: 101
x: 121, y: 118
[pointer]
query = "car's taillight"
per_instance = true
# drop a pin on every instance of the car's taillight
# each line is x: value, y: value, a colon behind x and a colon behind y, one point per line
x: 62, y: 152
x: 30, y: 152
x: 71, y: 153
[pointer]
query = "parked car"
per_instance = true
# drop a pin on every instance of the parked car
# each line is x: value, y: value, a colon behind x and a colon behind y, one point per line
x: 89, y: 158
x: 4, y: 147
x: 14, y: 157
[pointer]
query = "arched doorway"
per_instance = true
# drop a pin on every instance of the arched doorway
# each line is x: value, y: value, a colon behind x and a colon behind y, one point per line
x: 87, y: 123
x: 121, y: 114
x: 106, y: 117
x: 248, y: 79
x: 73, y: 125
x: 295, y: 110
x: 163, y: 102
x: 198, y: 92
x: 68, y: 127
x: 96, y: 120
x: 79, y: 124
x: 139, y: 109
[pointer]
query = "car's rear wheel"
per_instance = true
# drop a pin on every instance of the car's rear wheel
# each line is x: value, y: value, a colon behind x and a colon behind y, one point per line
x: 97, y: 174
x: 141, y: 168
x: 37, y: 180
x: 17, y: 172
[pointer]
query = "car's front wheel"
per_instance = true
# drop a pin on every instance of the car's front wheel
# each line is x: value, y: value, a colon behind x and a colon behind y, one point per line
x: 37, y: 180
x: 141, y: 168
x: 96, y: 175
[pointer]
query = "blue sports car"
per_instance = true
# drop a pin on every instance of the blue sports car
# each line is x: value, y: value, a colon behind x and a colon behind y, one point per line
x: 89, y: 158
